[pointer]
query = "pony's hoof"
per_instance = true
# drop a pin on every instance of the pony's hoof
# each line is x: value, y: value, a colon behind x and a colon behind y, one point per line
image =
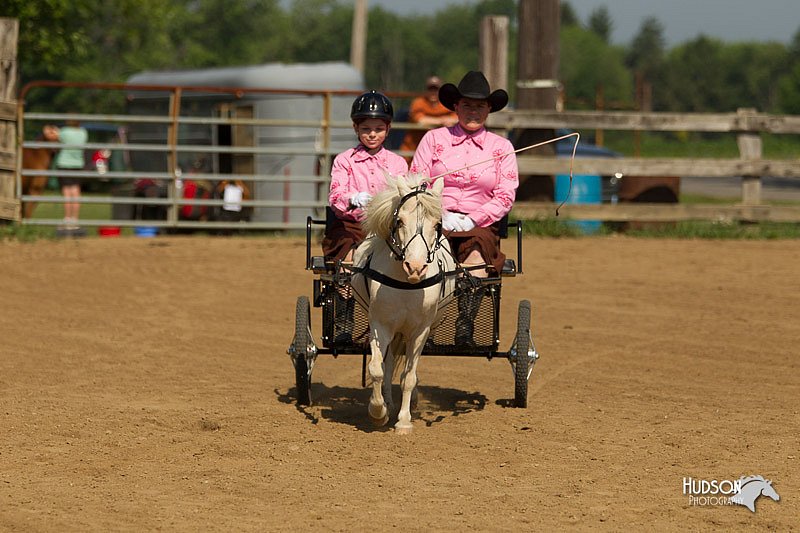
x: 379, y: 422
x: 378, y: 414
x: 404, y: 430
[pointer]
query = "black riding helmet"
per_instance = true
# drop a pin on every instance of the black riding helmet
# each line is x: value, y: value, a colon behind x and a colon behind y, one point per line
x: 372, y: 104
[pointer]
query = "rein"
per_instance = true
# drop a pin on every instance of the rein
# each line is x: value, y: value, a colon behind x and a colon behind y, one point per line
x: 536, y: 145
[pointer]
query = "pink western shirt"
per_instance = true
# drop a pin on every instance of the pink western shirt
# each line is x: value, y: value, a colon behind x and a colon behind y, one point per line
x: 486, y: 190
x: 354, y: 170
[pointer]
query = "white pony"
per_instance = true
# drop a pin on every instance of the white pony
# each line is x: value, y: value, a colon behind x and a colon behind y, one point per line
x: 404, y: 276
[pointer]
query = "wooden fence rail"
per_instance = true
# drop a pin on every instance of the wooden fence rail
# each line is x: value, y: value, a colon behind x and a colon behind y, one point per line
x: 747, y: 124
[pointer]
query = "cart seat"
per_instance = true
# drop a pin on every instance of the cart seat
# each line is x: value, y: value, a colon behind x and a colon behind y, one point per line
x: 318, y: 264
x: 509, y: 268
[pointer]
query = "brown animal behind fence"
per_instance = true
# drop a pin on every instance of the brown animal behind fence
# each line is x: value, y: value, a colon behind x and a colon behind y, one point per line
x: 37, y: 159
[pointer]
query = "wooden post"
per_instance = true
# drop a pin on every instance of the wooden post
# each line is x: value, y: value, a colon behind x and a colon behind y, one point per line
x: 9, y: 203
x: 358, y: 41
x: 493, y: 44
x: 173, y: 211
x: 637, y: 134
x: 599, y: 105
x: 750, y: 149
x: 537, y: 83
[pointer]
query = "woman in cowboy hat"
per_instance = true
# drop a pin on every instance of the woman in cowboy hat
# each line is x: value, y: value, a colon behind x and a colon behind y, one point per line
x: 480, y: 176
x: 475, y: 198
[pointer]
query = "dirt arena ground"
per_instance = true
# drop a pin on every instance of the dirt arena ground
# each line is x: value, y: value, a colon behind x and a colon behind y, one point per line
x: 144, y: 385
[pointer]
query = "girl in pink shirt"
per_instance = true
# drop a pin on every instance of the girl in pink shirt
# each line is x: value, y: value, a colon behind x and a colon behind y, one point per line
x: 358, y: 173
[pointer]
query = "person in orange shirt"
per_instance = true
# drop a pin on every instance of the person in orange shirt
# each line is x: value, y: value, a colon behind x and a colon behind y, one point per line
x: 426, y: 110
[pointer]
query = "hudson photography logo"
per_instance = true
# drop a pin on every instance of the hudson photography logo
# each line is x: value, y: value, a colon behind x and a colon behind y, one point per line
x: 743, y: 491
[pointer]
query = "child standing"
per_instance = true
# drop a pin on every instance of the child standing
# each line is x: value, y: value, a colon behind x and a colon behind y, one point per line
x: 358, y: 173
x: 71, y: 159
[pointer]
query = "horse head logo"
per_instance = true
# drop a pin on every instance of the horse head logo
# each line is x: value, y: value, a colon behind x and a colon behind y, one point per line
x: 751, y: 488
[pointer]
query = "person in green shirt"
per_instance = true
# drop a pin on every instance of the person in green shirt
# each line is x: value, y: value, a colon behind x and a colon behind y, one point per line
x: 72, y: 133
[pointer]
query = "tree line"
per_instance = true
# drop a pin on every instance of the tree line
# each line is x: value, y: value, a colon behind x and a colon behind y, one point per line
x: 110, y: 40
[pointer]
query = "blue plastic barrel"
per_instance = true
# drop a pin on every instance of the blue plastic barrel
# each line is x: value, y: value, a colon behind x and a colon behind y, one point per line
x: 586, y: 189
x: 145, y: 231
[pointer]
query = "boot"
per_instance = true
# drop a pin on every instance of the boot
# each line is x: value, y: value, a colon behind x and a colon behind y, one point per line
x: 344, y: 320
x: 469, y: 302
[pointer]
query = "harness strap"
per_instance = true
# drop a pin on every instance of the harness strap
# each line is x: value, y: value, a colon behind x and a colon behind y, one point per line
x: 404, y: 285
x: 383, y: 279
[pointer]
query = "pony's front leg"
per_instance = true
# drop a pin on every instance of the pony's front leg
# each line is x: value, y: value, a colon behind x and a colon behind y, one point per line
x: 408, y: 382
x: 378, y: 411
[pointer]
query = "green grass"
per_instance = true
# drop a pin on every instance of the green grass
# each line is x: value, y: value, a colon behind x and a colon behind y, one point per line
x: 22, y: 233
x: 55, y: 211
x: 548, y: 227
x: 721, y: 230
x: 697, y: 145
x: 88, y: 211
x: 692, y: 229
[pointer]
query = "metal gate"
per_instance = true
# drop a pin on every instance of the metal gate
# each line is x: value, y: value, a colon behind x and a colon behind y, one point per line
x: 172, y: 136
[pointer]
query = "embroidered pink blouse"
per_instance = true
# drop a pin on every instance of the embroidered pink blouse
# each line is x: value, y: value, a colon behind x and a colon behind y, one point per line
x: 484, y: 191
x: 355, y: 170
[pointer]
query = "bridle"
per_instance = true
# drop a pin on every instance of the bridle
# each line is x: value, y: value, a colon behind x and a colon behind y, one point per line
x: 398, y: 251
x: 397, y: 248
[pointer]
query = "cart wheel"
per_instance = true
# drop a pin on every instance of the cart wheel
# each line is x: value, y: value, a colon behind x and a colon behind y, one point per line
x: 523, y: 344
x: 302, y: 340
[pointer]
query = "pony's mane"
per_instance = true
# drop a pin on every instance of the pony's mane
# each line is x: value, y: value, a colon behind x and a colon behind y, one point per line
x: 380, y: 212
x: 748, y: 479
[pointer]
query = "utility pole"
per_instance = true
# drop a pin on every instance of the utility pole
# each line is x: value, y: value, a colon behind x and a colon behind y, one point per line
x: 358, y: 42
x: 493, y: 49
x: 537, y: 82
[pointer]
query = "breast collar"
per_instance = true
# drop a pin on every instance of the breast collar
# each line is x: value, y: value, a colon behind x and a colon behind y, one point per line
x: 383, y: 279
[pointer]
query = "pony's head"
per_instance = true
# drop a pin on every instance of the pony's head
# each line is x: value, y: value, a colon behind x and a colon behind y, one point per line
x: 769, y: 491
x: 751, y: 488
x: 407, y: 215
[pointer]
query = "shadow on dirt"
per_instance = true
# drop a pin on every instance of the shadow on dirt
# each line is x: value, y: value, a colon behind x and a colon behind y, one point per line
x: 348, y: 405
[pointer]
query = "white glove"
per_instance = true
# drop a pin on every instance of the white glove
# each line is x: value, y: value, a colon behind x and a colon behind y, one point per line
x: 456, y: 222
x: 451, y: 221
x: 360, y: 199
x: 467, y: 223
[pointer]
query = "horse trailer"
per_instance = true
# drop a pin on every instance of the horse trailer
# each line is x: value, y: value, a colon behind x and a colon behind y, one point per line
x: 275, y: 126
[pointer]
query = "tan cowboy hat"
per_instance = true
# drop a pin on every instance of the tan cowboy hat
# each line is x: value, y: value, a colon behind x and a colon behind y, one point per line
x: 433, y: 82
x: 472, y: 85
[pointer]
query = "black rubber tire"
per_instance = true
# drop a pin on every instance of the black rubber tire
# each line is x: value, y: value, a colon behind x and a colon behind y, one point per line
x: 302, y: 337
x: 521, y: 365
